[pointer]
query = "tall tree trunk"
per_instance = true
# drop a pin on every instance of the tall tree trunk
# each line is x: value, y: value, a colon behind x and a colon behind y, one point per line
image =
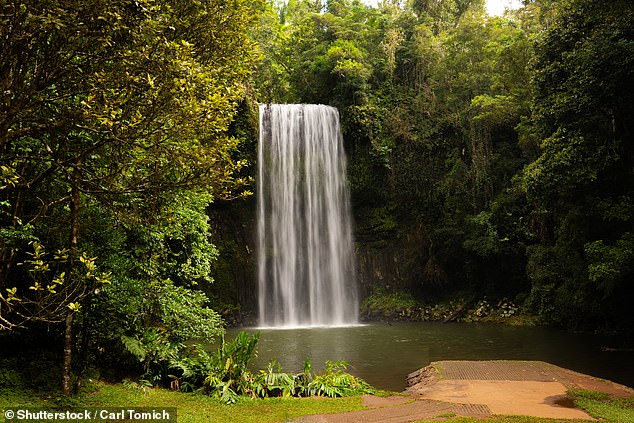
x: 74, y: 221
x: 68, y: 355
x: 68, y: 334
x: 81, y: 356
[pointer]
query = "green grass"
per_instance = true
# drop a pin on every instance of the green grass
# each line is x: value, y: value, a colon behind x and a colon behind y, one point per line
x: 200, y: 408
x: 599, y: 405
x: 190, y: 407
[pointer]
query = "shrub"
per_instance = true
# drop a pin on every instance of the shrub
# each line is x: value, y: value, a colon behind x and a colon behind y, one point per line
x: 226, y: 376
x: 334, y: 382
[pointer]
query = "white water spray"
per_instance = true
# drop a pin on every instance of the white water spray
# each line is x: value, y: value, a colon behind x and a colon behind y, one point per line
x: 305, y: 257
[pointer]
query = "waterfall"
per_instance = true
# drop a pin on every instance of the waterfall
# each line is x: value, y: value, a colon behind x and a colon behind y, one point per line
x: 305, y: 257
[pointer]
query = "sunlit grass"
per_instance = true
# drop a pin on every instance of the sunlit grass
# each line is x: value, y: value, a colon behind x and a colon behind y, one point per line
x: 200, y: 408
x: 192, y: 408
x: 599, y: 405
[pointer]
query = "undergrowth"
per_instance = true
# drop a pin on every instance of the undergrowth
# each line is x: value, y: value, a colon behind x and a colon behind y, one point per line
x: 225, y: 375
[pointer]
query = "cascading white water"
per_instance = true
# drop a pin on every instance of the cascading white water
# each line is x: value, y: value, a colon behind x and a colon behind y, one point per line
x: 305, y: 257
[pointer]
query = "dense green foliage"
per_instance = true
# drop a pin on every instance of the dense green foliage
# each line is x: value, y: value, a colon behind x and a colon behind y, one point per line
x: 580, y: 186
x: 488, y: 157
x: 491, y: 155
x: 115, y: 136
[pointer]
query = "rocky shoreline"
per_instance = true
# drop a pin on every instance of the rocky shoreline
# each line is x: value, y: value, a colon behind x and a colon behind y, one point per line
x: 456, y: 310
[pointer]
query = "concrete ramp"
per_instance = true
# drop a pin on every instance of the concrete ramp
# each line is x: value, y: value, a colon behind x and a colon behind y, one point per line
x: 524, y: 388
x: 477, y: 389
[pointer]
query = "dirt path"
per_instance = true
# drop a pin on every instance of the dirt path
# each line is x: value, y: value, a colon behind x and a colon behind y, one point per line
x: 478, y: 389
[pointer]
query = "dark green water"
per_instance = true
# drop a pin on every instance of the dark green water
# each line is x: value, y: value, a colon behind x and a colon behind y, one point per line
x: 385, y: 354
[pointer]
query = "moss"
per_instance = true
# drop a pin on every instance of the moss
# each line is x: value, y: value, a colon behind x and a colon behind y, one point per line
x: 382, y: 303
x: 397, y: 305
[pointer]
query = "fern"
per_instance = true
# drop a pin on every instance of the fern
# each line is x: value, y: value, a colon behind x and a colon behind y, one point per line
x: 134, y: 347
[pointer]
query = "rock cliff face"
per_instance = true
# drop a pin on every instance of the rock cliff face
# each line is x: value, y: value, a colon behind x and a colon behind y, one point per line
x: 386, y: 267
x: 233, y: 233
x: 389, y: 254
x: 391, y: 265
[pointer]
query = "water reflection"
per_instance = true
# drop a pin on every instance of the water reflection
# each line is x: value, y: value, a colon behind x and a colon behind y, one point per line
x: 384, y: 354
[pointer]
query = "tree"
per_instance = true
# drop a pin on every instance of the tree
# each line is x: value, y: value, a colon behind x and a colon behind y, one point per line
x: 580, y: 186
x: 112, y: 103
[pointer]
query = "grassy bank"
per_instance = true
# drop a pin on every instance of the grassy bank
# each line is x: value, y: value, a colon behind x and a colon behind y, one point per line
x: 191, y: 408
x: 603, y: 407
x: 198, y: 408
